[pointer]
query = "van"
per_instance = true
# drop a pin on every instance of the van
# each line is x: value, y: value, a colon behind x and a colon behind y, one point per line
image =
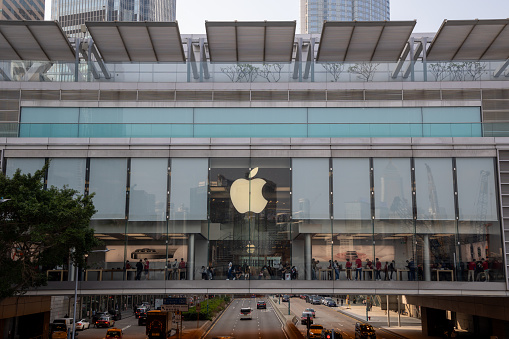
x: 246, y: 313
x: 66, y: 321
x: 140, y: 310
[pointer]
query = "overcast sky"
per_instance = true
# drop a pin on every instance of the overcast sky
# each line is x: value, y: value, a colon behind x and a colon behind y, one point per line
x: 191, y: 14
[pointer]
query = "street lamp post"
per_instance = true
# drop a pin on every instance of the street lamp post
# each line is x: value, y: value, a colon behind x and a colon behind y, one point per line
x: 76, y: 293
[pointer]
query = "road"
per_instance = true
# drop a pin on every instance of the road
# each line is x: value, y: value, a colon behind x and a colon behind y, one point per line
x: 265, y: 323
x: 128, y: 324
x: 329, y: 317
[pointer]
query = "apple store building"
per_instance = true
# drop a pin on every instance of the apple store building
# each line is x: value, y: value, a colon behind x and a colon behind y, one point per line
x: 285, y: 157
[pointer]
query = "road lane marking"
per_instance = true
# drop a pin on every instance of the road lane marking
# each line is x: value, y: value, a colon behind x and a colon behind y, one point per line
x: 125, y: 328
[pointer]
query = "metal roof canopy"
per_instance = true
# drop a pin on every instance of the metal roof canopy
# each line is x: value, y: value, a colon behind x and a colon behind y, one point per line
x: 251, y: 41
x: 363, y: 40
x: 137, y: 41
x: 34, y: 40
x: 470, y: 40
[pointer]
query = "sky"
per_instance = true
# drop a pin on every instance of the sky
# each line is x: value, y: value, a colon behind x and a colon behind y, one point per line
x: 191, y: 14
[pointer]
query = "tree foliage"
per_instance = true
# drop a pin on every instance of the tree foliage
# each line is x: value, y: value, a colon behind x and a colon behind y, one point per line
x: 40, y: 229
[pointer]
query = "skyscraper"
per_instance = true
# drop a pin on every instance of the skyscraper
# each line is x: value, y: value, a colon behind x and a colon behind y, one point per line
x: 314, y: 12
x: 21, y: 10
x: 73, y: 13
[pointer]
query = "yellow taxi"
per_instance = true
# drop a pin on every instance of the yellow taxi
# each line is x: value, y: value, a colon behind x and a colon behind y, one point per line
x: 58, y: 331
x: 114, y: 333
x: 315, y: 331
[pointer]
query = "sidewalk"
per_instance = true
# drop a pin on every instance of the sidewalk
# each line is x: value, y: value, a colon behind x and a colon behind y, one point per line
x: 410, y: 327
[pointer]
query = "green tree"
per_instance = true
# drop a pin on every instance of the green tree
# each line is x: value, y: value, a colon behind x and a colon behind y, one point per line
x: 40, y: 229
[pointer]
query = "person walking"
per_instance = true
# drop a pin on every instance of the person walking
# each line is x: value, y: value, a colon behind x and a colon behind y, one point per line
x: 139, y: 269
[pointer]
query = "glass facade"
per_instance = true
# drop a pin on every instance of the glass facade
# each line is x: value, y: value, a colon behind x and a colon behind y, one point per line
x: 288, y: 218
x: 246, y: 122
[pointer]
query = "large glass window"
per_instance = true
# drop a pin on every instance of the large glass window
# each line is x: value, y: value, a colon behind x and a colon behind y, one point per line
x: 26, y: 165
x: 434, y: 189
x: 68, y: 172
x: 310, y: 188
x: 108, y: 179
x: 351, y: 187
x: 148, y: 190
x: 188, y: 196
x: 393, y: 192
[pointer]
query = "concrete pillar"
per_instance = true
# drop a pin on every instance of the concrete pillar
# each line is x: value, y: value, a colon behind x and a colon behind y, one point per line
x: 399, y: 310
x: 190, y: 257
x: 427, y: 262
x: 307, y: 255
x: 388, y: 312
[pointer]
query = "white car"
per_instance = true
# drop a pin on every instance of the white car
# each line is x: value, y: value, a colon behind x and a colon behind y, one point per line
x: 246, y: 313
x: 82, y: 324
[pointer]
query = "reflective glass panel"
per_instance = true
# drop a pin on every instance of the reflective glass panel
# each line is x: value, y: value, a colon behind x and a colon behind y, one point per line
x: 188, y: 194
x: 351, y: 188
x: 310, y: 188
x: 393, y: 193
x: 26, y: 165
x: 148, y: 191
x: 434, y: 189
x: 108, y: 179
x: 68, y: 172
x: 477, y: 194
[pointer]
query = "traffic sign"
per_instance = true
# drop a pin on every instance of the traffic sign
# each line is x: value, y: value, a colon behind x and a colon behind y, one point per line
x: 198, y: 307
x: 172, y: 308
x: 175, y: 301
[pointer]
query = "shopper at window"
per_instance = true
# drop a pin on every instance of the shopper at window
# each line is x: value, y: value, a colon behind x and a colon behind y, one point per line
x: 182, y: 269
x: 386, y: 271
x: 358, y: 269
x: 471, y: 270
x: 378, y: 267
x: 127, y: 268
x: 146, y: 268
x: 139, y: 269
x: 203, y: 273
x: 392, y: 269
x: 348, y: 266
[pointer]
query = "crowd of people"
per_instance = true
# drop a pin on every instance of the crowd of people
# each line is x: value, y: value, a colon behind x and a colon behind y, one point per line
x: 480, y: 270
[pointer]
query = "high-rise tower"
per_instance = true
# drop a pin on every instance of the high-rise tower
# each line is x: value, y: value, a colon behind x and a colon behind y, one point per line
x: 73, y: 13
x: 314, y: 12
x: 21, y: 10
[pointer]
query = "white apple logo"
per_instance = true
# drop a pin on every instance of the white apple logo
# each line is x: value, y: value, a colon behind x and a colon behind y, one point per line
x: 247, y: 195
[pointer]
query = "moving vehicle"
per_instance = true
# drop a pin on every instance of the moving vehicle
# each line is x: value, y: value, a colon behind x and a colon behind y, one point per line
x: 82, y: 324
x: 105, y: 321
x: 331, y: 334
x: 315, y: 331
x: 305, y: 316
x: 261, y: 304
x: 115, y: 314
x: 142, y: 319
x: 285, y: 298
x: 114, y: 333
x: 364, y: 331
x: 311, y: 310
x: 66, y: 321
x: 330, y: 302
x: 58, y: 331
x: 158, y: 324
x: 315, y: 300
x: 140, y: 310
x: 246, y: 313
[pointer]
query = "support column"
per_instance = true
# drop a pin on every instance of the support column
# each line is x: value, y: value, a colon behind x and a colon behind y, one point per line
x: 399, y: 310
x: 307, y: 255
x: 426, y: 259
x: 190, y: 258
x: 388, y: 312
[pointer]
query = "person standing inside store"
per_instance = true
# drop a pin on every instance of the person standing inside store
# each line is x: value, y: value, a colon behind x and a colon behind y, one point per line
x: 127, y: 268
x: 139, y: 269
x: 358, y: 269
x: 471, y: 270
x: 182, y: 269
x: 378, y: 267
x: 348, y: 266
x: 146, y: 267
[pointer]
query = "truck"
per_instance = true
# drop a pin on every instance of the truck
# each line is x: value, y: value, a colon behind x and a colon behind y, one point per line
x: 158, y: 324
